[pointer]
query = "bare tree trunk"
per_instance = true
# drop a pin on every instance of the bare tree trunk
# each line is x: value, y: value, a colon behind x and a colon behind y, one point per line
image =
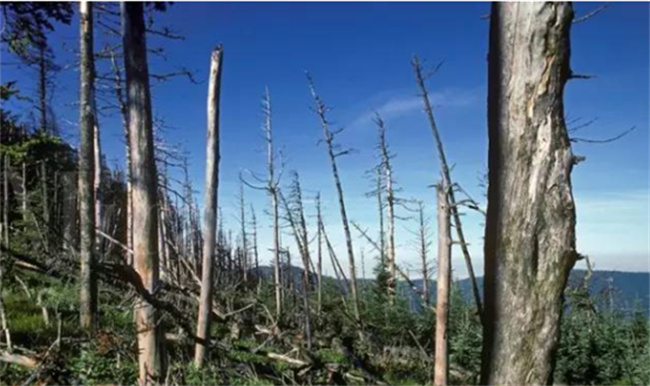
x: 380, y: 210
x: 424, y: 248
x: 145, y: 217
x: 530, y: 227
x: 255, y: 250
x: 69, y: 209
x: 328, y: 135
x: 441, y: 362
x: 88, y: 294
x: 119, y: 93
x: 319, y: 264
x: 390, y: 200
x: 296, y: 217
x: 44, y: 192
x: 4, y: 236
x: 97, y: 182
x: 42, y: 87
x: 210, y: 212
x: 272, y: 189
x: 446, y: 176
x: 244, y: 236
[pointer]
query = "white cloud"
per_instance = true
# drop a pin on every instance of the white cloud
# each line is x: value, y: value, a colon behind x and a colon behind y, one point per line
x: 402, y: 105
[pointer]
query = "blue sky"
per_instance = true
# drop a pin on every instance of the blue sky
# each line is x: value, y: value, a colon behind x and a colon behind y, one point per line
x: 358, y: 54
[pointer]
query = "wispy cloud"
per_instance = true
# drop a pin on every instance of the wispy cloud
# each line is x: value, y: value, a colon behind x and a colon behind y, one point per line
x: 401, y: 105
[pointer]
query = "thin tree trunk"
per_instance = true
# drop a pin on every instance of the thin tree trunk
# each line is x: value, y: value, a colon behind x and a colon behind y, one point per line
x: 255, y: 250
x: 441, y: 361
x: 329, y: 141
x: 88, y: 294
x: 530, y: 225
x: 319, y: 264
x: 97, y: 181
x: 424, y: 248
x: 244, y: 236
x: 390, y: 200
x: 380, y: 210
x: 211, y: 205
x: 145, y: 219
x: 272, y: 189
x: 44, y: 193
x: 42, y: 86
x: 446, y: 176
x: 4, y: 235
x: 70, y: 213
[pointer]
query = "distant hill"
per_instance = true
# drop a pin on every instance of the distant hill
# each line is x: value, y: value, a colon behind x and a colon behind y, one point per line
x: 630, y: 290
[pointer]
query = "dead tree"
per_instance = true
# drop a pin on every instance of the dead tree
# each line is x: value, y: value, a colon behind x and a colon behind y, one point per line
x: 270, y: 185
x: 530, y: 225
x: 441, y: 359
x: 88, y: 292
x: 319, y: 257
x: 420, y: 79
x: 254, y: 236
x: 386, y: 167
x: 296, y: 218
x: 210, y: 211
x: 4, y: 240
x: 423, y: 250
x: 334, y: 151
x: 244, y: 236
x: 145, y: 215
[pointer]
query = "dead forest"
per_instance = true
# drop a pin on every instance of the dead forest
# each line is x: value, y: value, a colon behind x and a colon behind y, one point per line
x: 118, y: 276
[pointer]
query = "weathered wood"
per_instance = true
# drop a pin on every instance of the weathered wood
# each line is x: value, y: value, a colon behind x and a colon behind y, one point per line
x: 530, y: 227
x: 211, y: 204
x: 87, y: 240
x: 441, y: 358
x: 145, y: 185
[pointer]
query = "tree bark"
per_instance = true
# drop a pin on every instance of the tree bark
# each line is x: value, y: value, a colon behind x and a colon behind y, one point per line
x: 530, y: 226
x: 441, y: 360
x: 143, y: 169
x: 211, y: 205
x: 88, y: 294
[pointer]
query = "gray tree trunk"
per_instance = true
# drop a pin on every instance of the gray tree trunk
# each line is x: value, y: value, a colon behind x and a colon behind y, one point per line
x: 88, y: 294
x: 211, y: 205
x: 143, y: 170
x: 530, y: 227
x: 441, y: 359
x: 272, y: 189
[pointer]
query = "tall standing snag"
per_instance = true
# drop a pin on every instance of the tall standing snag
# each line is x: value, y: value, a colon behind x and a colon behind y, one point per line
x: 441, y: 360
x: 88, y: 293
x: 210, y: 211
x: 420, y: 79
x: 143, y: 172
x: 334, y: 151
x: 530, y: 227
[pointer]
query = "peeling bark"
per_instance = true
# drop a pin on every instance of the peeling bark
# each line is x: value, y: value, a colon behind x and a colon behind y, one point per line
x: 530, y: 227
